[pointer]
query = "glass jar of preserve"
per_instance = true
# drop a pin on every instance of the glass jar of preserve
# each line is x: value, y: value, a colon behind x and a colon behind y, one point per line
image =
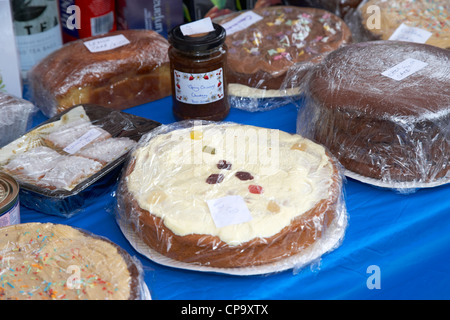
x: 197, y: 65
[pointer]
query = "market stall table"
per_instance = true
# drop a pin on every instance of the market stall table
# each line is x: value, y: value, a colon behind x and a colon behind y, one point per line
x: 396, y: 246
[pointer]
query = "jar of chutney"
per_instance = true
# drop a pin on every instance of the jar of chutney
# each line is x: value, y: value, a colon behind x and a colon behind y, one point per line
x: 198, y: 69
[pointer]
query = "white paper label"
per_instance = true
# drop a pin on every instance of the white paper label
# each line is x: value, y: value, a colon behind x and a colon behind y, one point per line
x: 82, y: 141
x: 196, y: 27
x: 404, y: 69
x: 106, y: 43
x: 229, y: 210
x: 199, y: 88
x: 241, y: 22
x: 410, y: 34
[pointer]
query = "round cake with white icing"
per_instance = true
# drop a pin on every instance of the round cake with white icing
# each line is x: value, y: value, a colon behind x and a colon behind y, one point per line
x: 45, y: 261
x: 227, y: 195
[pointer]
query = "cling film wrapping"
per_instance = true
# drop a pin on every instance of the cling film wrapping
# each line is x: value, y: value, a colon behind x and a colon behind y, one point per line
x: 69, y: 160
x: 46, y: 261
x: 383, y: 109
x: 405, y: 20
x: 264, y: 43
x: 118, y: 70
x: 229, y: 197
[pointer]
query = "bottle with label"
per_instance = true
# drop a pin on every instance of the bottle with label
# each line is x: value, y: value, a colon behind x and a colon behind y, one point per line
x: 37, y: 29
x: 198, y: 69
x: 86, y: 18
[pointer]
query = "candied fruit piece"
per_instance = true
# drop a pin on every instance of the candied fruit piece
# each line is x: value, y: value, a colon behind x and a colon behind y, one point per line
x: 215, y: 178
x: 156, y: 197
x: 196, y: 135
x: 224, y: 165
x: 209, y: 149
x: 255, y: 189
x: 243, y: 175
x: 298, y: 146
x: 272, y: 206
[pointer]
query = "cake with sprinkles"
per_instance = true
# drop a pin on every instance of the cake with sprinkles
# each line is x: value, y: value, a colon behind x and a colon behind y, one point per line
x: 226, y: 195
x: 260, y: 55
x: 431, y: 16
x: 44, y: 261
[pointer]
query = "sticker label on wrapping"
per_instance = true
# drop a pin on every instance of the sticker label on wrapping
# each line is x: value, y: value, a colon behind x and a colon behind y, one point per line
x: 404, y: 69
x: 411, y: 34
x: 196, y: 27
x: 106, y: 43
x: 199, y: 88
x: 229, y: 210
x: 82, y: 141
x: 241, y: 22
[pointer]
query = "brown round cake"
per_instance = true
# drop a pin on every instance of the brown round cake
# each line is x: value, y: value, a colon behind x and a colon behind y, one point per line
x: 130, y: 68
x: 45, y: 261
x: 270, y: 207
x: 260, y: 55
x: 383, y: 109
x: 431, y: 16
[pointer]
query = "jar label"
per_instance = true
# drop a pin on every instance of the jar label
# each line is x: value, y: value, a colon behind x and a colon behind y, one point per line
x: 199, y: 88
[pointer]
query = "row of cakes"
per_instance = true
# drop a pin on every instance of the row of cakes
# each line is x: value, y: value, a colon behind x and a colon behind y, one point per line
x: 166, y: 207
x: 127, y: 68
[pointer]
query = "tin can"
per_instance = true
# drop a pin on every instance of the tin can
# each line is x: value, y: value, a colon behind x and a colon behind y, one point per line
x: 9, y: 201
x: 86, y: 18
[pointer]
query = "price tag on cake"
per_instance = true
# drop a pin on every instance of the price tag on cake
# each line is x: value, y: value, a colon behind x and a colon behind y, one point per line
x: 404, y: 69
x: 106, y: 43
x: 229, y: 210
x: 197, y: 27
x: 410, y: 34
x: 82, y: 141
x: 241, y: 22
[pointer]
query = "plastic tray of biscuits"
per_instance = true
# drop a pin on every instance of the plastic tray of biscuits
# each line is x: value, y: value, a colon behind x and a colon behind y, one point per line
x: 69, y: 160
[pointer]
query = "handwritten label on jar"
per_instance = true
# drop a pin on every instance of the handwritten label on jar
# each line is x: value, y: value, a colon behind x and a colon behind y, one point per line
x: 199, y: 88
x: 404, y: 69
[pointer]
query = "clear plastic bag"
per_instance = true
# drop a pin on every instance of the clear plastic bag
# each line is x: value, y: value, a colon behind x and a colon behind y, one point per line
x: 15, y: 117
x: 260, y: 53
x: 383, y: 109
x: 60, y: 262
x: 230, y: 198
x: 69, y: 160
x: 118, y: 70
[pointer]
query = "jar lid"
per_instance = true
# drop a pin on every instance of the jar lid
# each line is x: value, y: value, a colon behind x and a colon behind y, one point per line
x: 202, y: 42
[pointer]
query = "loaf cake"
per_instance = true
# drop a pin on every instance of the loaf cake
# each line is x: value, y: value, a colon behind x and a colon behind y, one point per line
x: 431, y: 16
x: 45, y: 261
x: 383, y: 109
x: 225, y: 195
x: 260, y: 55
x: 133, y: 73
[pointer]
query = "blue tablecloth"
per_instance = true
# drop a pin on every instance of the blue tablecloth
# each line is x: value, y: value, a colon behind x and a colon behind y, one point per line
x: 396, y: 246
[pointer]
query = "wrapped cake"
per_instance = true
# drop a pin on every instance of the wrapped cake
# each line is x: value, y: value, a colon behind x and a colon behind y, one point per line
x: 119, y: 70
x: 45, y: 261
x: 264, y: 43
x: 405, y: 20
x: 15, y: 116
x: 60, y: 164
x: 383, y: 109
x: 230, y: 198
